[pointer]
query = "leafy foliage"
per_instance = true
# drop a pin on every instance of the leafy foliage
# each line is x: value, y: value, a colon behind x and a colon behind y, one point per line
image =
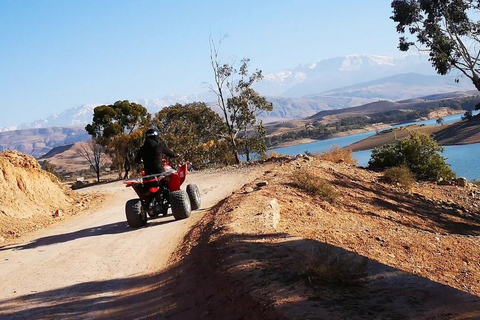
x: 121, y: 117
x: 194, y: 131
x: 444, y: 28
x: 111, y: 128
x: 420, y: 153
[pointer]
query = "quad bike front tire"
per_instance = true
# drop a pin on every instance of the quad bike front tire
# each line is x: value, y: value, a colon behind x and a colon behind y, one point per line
x: 180, y: 204
x: 136, y: 216
x: 194, y: 196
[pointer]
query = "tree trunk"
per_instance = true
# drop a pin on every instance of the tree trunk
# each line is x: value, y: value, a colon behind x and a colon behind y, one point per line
x: 235, y: 149
x: 476, y: 82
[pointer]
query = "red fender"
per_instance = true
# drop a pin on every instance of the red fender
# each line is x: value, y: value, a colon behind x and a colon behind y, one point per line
x: 176, y: 179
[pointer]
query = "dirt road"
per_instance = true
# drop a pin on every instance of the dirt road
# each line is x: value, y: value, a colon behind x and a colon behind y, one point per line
x: 93, y: 266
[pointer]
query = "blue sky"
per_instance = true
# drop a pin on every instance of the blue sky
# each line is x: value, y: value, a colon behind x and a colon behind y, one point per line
x: 58, y: 54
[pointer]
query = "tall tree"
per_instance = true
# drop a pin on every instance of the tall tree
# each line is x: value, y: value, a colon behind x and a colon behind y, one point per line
x: 194, y: 131
x: 239, y: 103
x: 112, y: 126
x: 447, y: 29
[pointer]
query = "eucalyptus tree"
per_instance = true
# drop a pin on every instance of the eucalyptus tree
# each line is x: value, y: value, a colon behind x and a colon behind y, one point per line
x: 113, y: 128
x: 194, y: 131
x: 447, y: 29
x: 239, y: 103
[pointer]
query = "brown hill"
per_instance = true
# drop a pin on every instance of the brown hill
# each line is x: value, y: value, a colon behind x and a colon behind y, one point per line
x: 39, y: 141
x: 375, y: 252
x: 31, y: 198
x: 457, y: 133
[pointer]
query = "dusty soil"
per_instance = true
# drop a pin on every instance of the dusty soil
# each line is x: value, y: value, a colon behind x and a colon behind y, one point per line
x: 376, y: 252
x: 31, y: 198
x: 268, y: 251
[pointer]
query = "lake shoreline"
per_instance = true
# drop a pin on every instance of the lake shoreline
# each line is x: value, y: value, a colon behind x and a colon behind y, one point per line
x: 455, y: 133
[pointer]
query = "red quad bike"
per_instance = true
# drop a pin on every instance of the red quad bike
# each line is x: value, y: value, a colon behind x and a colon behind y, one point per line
x: 157, y: 193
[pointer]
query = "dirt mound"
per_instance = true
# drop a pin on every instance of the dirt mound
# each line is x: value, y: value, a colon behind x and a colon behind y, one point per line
x: 376, y: 252
x: 30, y: 197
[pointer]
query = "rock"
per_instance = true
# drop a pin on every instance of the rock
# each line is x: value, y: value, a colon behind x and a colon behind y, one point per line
x: 272, y: 214
x: 444, y: 183
x: 262, y: 184
x: 462, y: 182
x: 58, y: 213
x: 248, y: 190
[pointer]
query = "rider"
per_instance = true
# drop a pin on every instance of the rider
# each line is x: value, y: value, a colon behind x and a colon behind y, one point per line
x: 152, y: 151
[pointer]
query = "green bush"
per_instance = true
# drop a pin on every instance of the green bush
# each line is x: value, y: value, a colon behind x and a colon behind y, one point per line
x: 420, y: 154
x: 400, y: 175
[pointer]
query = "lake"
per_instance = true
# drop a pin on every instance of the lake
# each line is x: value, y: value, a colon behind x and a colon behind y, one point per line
x: 462, y: 159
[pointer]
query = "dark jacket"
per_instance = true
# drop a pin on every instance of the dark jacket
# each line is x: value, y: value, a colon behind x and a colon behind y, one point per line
x: 152, y: 153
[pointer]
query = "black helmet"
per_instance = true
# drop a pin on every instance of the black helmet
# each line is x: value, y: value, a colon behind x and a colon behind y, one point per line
x: 152, y: 134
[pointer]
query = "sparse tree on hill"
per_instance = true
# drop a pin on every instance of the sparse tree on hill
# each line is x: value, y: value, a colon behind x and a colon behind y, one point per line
x: 94, y: 154
x: 239, y: 103
x: 112, y: 126
x: 447, y: 29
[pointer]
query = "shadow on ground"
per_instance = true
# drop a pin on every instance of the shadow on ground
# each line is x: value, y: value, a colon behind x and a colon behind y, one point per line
x: 112, y: 228
x: 249, y: 277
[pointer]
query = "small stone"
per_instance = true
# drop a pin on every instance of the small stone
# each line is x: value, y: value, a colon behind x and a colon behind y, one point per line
x: 461, y: 182
x: 57, y: 213
x: 262, y: 184
x: 248, y: 190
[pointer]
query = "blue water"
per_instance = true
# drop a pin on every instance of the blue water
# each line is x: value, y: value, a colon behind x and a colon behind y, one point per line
x: 462, y: 159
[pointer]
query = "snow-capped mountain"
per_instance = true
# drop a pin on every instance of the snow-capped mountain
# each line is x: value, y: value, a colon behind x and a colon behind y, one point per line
x: 327, y: 84
x: 76, y: 116
x: 316, y: 77
x: 82, y: 115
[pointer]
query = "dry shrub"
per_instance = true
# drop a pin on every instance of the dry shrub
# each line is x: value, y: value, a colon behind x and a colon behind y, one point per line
x: 336, y: 154
x: 401, y: 176
x: 330, y: 265
x: 273, y: 154
x: 305, y: 180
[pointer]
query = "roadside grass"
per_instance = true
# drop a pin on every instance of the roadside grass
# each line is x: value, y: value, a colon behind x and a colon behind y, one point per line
x: 401, y: 176
x: 336, y: 154
x: 307, y: 181
x: 329, y: 265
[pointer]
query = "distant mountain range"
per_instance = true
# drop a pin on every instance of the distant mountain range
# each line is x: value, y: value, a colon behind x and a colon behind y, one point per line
x: 329, y: 84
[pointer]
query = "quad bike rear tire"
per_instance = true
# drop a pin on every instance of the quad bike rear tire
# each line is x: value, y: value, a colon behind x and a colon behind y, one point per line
x: 194, y: 196
x: 180, y: 203
x: 136, y: 215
